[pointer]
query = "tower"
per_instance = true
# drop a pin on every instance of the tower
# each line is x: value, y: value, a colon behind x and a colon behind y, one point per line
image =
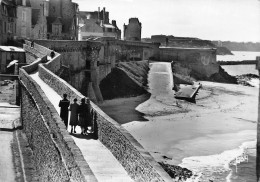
x: 133, y: 30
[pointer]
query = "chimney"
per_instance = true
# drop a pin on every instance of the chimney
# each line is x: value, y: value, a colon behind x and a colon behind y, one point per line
x: 114, y: 23
x: 98, y: 14
x: 104, y: 14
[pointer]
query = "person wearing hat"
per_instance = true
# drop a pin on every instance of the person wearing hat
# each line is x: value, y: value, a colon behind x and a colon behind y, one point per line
x: 74, y: 115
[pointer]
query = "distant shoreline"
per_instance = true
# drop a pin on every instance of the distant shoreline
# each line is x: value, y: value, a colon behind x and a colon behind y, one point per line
x: 237, y: 62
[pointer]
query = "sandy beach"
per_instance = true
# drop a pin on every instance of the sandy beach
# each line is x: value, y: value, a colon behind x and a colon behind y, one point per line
x: 223, y: 118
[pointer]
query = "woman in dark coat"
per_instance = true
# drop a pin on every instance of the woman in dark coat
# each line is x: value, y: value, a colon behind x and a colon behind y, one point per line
x: 74, y: 115
x: 64, y: 109
x: 84, y: 115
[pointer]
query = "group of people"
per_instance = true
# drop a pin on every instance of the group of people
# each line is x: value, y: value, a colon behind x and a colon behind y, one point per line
x: 80, y: 114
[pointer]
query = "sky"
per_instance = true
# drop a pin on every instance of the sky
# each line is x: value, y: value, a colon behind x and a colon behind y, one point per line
x: 226, y: 20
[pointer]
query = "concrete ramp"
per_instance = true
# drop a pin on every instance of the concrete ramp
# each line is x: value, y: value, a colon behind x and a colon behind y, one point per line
x: 103, y: 164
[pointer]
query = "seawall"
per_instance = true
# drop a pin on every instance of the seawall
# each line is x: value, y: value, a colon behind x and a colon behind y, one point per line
x: 56, y: 157
x: 55, y: 149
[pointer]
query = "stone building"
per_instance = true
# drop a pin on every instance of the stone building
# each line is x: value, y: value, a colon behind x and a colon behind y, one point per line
x: 40, y: 9
x: 1, y: 24
x: 62, y: 20
x: 8, y: 21
x: 133, y: 30
x: 102, y: 15
x: 8, y: 54
x: 24, y: 16
x: 96, y: 24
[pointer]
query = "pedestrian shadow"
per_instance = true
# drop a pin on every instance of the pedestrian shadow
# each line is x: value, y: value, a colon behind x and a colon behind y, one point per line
x: 90, y: 136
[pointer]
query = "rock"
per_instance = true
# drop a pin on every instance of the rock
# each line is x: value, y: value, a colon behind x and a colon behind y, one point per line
x: 176, y: 172
x: 125, y: 80
x: 223, y: 51
x: 165, y: 157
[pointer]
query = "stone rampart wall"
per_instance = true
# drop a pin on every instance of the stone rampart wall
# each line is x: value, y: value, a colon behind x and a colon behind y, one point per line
x: 200, y: 60
x: 37, y: 51
x: 138, y: 163
x: 56, y: 156
x: 65, y: 44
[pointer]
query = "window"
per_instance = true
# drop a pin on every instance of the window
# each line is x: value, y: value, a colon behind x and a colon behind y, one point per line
x: 5, y: 27
x: 5, y: 10
x: 11, y: 28
x: 23, y: 32
x: 56, y: 30
x: 8, y: 27
x: 24, y: 2
x: 24, y: 16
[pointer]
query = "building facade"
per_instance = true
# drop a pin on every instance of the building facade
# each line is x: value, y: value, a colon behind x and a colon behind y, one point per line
x: 96, y: 24
x: 9, y: 54
x: 62, y: 20
x: 40, y: 11
x: 24, y: 16
x: 133, y: 30
x: 8, y: 21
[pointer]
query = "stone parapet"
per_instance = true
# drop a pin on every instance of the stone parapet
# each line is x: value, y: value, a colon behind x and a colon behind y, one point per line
x: 56, y: 156
x: 46, y: 133
x: 139, y: 164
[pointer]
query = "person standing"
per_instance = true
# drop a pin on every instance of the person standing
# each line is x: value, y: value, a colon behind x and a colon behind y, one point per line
x: 88, y: 117
x: 82, y: 115
x: 74, y: 115
x: 64, y: 111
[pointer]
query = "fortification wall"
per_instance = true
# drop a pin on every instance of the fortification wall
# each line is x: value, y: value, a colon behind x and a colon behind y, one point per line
x: 56, y: 156
x: 201, y: 60
x: 137, y: 162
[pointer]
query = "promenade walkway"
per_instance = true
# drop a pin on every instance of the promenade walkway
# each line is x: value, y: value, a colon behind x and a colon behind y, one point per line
x: 104, y: 165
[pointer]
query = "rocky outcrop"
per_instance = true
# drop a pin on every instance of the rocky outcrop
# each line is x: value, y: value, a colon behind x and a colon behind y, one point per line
x: 126, y: 79
x: 223, y: 51
x: 176, y: 172
x: 246, y: 78
x: 222, y: 76
x: 186, y: 75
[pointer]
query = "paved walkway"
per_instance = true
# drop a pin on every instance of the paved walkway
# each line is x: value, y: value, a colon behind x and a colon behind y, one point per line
x: 104, y: 165
x: 8, y: 113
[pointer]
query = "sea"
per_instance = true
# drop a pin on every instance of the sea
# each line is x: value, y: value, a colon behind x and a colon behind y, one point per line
x: 237, y: 165
x: 235, y: 70
x: 243, y: 167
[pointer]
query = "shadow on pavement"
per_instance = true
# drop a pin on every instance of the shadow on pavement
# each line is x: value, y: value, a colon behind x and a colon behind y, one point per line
x: 90, y: 136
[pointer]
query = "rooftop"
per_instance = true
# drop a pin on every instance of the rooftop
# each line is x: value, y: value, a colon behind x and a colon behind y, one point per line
x: 10, y: 49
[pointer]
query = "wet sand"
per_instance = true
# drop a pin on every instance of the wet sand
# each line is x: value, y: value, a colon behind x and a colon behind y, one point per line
x: 123, y: 109
x: 223, y: 118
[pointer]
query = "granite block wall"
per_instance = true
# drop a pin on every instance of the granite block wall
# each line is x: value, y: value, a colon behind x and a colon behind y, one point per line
x: 138, y: 163
x: 38, y: 51
x: 201, y: 60
x: 56, y: 156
